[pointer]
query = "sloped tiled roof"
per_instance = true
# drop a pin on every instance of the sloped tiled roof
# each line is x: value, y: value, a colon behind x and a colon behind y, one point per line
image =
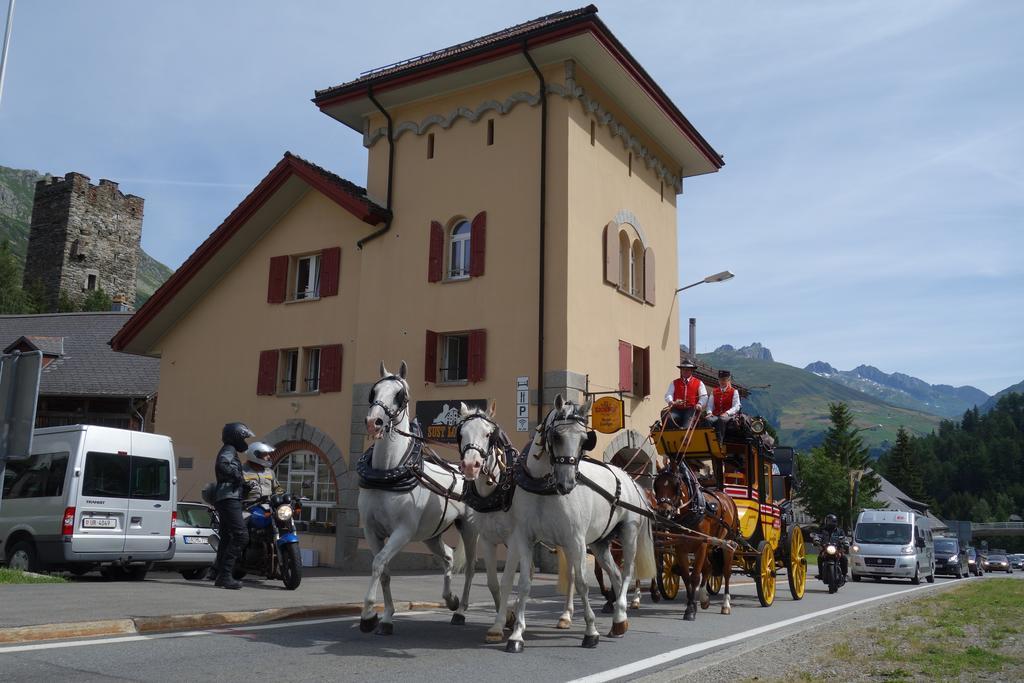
x: 87, y: 365
x: 517, y: 31
x: 50, y: 346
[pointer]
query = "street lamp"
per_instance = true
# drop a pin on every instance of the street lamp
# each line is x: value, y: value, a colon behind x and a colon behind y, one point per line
x: 717, y: 277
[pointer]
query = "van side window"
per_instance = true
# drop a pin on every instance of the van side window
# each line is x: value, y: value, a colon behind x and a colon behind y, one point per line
x: 151, y: 478
x: 106, y: 475
x: 41, y: 476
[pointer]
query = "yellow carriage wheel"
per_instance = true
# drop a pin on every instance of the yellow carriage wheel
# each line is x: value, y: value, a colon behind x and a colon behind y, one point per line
x: 764, y: 578
x: 714, y: 584
x: 668, y: 580
x: 797, y: 571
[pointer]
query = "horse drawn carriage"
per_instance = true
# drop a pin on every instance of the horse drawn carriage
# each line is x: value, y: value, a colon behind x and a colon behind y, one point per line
x: 758, y: 479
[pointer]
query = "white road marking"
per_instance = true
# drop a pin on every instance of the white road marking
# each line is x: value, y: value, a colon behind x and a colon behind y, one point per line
x: 189, y: 634
x: 673, y: 655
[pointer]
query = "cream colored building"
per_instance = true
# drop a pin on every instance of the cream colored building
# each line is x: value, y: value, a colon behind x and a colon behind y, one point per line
x: 281, y: 317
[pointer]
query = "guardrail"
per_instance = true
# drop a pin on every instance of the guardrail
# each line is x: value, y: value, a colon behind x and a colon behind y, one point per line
x: 984, y: 526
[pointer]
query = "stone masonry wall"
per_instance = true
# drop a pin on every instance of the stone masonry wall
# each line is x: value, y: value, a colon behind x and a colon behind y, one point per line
x: 80, y: 229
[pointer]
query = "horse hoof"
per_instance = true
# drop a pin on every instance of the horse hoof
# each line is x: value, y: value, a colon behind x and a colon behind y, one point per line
x: 634, y: 606
x: 705, y: 605
x: 458, y: 620
x: 452, y: 602
x: 385, y: 629
x: 727, y: 610
x: 494, y: 637
x: 619, y: 629
x: 367, y: 625
x: 514, y: 646
x: 563, y: 624
x: 590, y: 642
x: 689, y: 616
x: 608, y: 608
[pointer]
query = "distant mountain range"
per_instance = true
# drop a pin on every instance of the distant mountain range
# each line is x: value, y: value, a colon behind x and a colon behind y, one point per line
x: 17, y: 189
x: 1017, y: 388
x: 904, y: 390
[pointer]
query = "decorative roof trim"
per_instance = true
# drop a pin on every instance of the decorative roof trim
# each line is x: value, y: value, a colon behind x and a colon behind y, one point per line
x: 627, y: 216
x: 570, y: 91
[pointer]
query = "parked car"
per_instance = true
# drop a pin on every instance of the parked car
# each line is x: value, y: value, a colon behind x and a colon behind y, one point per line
x: 976, y: 561
x: 90, y: 497
x: 951, y: 558
x: 892, y: 543
x: 193, y: 553
x: 999, y: 563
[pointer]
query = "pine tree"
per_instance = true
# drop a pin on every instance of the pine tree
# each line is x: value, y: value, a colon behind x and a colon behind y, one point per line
x: 903, y: 469
x: 843, y: 445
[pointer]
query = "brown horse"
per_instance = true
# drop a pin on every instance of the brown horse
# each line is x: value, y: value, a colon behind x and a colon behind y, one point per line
x: 719, y: 520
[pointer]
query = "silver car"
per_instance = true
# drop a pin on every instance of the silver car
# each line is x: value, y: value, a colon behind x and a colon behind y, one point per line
x: 193, y: 554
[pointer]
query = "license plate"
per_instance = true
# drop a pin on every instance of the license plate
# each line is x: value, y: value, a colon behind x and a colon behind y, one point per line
x: 99, y: 523
x: 196, y: 540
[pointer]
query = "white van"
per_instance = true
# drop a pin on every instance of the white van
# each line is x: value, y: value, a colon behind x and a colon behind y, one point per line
x: 895, y: 544
x: 90, y: 496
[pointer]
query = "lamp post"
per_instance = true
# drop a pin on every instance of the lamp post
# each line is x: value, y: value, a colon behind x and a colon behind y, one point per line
x: 717, y: 277
x: 6, y: 44
x: 856, y: 475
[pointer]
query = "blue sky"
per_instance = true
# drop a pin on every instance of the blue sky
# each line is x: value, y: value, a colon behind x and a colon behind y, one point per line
x: 872, y: 199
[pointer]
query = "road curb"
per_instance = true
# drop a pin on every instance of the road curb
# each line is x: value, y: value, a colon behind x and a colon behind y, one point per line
x: 189, y: 622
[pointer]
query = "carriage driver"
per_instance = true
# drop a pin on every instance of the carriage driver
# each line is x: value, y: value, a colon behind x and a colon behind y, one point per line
x: 686, y: 396
x: 725, y: 404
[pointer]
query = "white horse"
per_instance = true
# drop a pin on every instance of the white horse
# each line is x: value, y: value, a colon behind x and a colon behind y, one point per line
x: 486, y: 465
x: 560, y: 513
x: 394, y: 518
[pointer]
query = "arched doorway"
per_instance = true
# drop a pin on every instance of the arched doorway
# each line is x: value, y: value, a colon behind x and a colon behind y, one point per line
x: 637, y: 464
x: 304, y: 471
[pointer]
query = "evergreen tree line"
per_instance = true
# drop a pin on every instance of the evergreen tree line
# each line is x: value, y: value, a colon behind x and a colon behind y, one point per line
x: 967, y: 470
x: 16, y: 299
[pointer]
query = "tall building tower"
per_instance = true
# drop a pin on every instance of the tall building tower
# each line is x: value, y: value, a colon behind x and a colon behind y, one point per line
x: 83, y: 238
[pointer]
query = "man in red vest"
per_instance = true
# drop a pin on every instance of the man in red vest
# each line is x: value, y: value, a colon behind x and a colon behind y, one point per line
x: 724, y: 405
x: 686, y: 397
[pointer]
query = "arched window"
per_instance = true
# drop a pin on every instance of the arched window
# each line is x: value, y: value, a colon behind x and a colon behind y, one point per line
x: 303, y: 472
x: 458, y: 250
x: 636, y: 257
x: 625, y: 262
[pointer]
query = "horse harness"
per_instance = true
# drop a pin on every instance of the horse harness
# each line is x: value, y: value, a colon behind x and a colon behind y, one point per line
x: 501, y: 498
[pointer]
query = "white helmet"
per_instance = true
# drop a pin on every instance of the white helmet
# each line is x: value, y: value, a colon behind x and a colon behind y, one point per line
x: 259, y: 454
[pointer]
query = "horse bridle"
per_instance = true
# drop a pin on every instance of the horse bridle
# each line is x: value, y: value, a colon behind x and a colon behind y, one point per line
x: 573, y: 460
x: 394, y: 416
x: 678, y: 481
x: 493, y: 440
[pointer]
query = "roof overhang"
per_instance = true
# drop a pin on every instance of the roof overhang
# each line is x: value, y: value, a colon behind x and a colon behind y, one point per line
x: 585, y: 40
x: 285, y: 185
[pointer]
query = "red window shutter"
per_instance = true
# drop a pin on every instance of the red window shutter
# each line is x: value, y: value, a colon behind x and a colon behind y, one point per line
x: 645, y: 383
x: 430, y: 358
x: 477, y: 244
x: 477, y: 355
x: 625, y: 366
x: 266, y: 381
x: 435, y: 262
x: 330, y: 271
x: 611, y: 254
x: 649, y: 276
x: 330, y: 368
x: 277, y: 283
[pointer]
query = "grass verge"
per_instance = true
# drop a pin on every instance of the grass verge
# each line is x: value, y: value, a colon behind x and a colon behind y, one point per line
x: 11, y: 576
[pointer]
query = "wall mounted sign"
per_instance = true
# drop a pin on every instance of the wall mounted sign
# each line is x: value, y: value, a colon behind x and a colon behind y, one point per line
x: 523, y: 404
x: 439, y: 418
x: 608, y: 415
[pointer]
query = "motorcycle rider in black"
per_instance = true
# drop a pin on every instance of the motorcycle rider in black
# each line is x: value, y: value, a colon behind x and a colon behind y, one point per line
x: 832, y: 534
x: 228, y: 502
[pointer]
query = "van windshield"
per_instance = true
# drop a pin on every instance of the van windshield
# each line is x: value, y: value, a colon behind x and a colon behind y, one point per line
x: 883, y: 533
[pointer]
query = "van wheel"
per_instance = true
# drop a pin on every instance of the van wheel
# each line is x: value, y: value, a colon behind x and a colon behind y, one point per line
x: 917, y: 576
x: 194, y: 574
x: 931, y: 578
x: 23, y: 557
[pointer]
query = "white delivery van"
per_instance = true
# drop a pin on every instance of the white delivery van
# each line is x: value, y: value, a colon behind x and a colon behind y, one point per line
x: 892, y: 543
x: 90, y: 497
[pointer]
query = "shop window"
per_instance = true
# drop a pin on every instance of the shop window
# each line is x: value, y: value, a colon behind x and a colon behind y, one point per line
x: 306, y: 474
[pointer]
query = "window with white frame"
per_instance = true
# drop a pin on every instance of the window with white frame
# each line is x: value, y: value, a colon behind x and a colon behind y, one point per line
x: 312, y: 381
x: 454, y: 357
x: 307, y: 277
x: 289, y: 371
x: 458, y: 250
x: 306, y: 474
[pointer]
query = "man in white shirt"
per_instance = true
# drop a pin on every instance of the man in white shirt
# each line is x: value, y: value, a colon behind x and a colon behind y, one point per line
x: 686, y: 396
x: 725, y: 404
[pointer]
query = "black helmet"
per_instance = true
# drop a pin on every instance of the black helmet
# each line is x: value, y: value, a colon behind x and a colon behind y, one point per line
x: 831, y: 521
x: 235, y: 434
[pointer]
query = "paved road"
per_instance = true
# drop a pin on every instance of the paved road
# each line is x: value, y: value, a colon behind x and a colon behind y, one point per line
x: 424, y: 644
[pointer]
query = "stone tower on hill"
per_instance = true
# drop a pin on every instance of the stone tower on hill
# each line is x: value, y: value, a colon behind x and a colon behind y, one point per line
x: 83, y: 238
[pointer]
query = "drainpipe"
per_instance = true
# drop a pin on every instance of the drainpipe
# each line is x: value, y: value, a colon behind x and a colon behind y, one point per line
x: 391, y: 170
x: 543, y: 226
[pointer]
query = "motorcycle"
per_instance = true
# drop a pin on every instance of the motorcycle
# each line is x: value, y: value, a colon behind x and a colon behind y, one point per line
x: 830, y: 558
x: 272, y: 550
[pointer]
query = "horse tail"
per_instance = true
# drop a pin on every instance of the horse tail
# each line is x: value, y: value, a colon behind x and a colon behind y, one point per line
x: 564, y: 573
x: 645, y: 567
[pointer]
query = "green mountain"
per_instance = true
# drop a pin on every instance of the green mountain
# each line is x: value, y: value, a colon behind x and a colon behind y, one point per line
x: 17, y: 188
x: 1017, y: 388
x: 796, y: 402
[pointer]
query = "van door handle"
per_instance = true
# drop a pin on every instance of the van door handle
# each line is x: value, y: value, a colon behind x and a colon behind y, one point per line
x: 136, y: 520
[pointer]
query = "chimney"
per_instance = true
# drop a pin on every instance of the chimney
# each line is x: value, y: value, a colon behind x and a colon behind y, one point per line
x: 693, y: 338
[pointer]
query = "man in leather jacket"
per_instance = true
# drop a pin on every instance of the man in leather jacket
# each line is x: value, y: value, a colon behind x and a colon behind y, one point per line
x: 832, y: 534
x: 228, y: 501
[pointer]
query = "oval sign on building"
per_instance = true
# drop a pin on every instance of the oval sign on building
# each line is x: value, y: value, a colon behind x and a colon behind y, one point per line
x: 608, y: 415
